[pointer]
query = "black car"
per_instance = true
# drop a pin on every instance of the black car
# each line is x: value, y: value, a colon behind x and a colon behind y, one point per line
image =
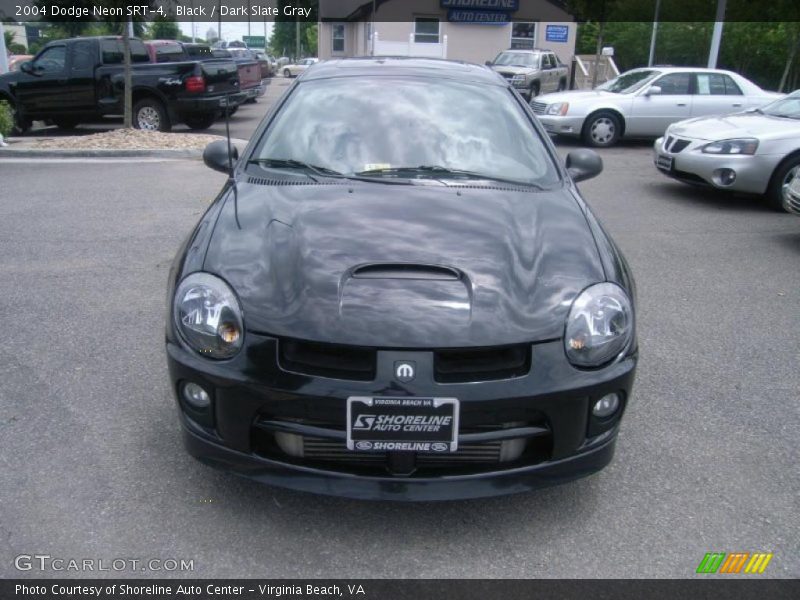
x: 400, y: 294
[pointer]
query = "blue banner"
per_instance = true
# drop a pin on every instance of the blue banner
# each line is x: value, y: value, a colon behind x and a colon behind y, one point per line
x: 556, y: 33
x: 484, y: 17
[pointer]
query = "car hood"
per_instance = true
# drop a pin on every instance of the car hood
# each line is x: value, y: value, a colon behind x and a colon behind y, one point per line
x: 576, y: 96
x: 404, y: 266
x: 510, y: 70
x: 744, y: 124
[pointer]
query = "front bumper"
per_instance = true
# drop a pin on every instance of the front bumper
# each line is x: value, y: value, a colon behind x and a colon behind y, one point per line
x: 690, y: 165
x: 558, y: 125
x: 253, y: 397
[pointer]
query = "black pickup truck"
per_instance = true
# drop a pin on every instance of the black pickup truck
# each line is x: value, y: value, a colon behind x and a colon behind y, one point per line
x: 81, y: 80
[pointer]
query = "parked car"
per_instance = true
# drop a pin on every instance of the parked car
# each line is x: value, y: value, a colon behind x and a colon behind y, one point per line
x: 249, y: 73
x: 418, y: 305
x: 295, y: 69
x: 532, y: 72
x: 755, y: 151
x: 644, y: 102
x: 266, y: 65
x: 163, y: 51
x: 15, y: 61
x: 81, y: 80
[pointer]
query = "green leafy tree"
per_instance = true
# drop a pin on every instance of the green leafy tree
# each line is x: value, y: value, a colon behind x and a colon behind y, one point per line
x: 164, y: 28
x: 285, y: 40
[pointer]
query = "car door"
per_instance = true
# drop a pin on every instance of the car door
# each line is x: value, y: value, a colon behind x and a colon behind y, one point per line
x: 44, y: 88
x: 546, y: 74
x: 653, y: 110
x: 716, y: 94
x: 82, y: 61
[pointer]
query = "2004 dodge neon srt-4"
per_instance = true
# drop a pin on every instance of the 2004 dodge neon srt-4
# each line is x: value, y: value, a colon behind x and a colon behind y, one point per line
x: 400, y: 294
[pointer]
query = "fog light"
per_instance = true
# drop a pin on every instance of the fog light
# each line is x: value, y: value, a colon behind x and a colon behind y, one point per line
x: 606, y: 406
x: 196, y: 396
x: 725, y: 176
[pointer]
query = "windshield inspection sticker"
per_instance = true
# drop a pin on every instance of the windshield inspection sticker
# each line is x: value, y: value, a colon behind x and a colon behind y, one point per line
x: 376, y: 166
x: 402, y: 424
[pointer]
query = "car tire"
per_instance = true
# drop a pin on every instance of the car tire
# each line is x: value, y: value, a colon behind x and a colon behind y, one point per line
x: 250, y: 101
x: 199, y: 122
x: 602, y: 129
x: 149, y: 115
x: 562, y: 85
x: 20, y: 124
x: 534, y: 91
x: 66, y: 123
x: 781, y: 178
x: 287, y: 73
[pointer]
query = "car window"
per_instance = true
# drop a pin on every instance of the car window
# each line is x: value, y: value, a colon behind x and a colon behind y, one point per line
x: 731, y: 87
x: 170, y: 53
x: 716, y: 84
x: 52, y: 60
x: 788, y: 107
x: 82, y: 56
x: 674, y: 84
x: 112, y: 51
x: 517, y: 59
x: 629, y: 81
x: 354, y: 125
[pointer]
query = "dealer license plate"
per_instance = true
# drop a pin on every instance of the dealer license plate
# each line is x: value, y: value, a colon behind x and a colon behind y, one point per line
x: 664, y: 162
x: 402, y: 424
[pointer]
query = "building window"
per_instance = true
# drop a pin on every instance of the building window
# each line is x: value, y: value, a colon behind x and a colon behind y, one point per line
x: 338, y: 38
x: 523, y: 36
x: 426, y: 31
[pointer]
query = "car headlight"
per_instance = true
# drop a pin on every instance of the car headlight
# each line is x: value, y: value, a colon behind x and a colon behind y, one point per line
x: 557, y: 108
x: 208, y: 316
x: 739, y: 146
x: 599, y: 326
x: 518, y: 79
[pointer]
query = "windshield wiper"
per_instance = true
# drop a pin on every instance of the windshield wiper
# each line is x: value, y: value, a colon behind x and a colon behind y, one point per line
x: 439, y: 171
x: 291, y: 163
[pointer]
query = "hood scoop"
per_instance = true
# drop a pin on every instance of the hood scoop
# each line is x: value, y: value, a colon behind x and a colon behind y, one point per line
x: 405, y: 271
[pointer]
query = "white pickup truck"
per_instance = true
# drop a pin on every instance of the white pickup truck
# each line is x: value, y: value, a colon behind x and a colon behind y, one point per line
x: 532, y: 72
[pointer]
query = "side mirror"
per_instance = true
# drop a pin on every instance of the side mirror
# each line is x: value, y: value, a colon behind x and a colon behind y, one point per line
x: 216, y: 156
x: 488, y: 63
x: 583, y: 164
x: 653, y: 90
x: 27, y: 67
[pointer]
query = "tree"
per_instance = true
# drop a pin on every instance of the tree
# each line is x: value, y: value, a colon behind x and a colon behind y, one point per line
x: 284, y: 38
x: 164, y: 28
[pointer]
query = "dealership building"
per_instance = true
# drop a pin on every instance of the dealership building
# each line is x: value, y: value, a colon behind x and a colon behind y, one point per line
x: 469, y: 30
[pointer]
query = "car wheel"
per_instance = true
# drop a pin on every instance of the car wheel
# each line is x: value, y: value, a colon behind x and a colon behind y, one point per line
x: 65, y: 123
x: 534, y: 91
x: 149, y: 115
x: 287, y: 73
x: 781, y: 180
x: 21, y: 125
x: 197, y: 122
x: 602, y: 130
x: 562, y: 85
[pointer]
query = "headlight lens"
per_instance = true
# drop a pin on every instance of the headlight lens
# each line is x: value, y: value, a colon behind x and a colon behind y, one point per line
x: 558, y: 108
x: 740, y: 146
x: 518, y: 79
x: 599, y: 326
x: 208, y: 316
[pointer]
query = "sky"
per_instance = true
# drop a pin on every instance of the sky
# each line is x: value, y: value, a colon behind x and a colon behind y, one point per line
x: 231, y: 30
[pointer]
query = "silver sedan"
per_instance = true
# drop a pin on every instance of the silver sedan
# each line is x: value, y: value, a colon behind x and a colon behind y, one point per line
x: 644, y: 102
x: 756, y: 152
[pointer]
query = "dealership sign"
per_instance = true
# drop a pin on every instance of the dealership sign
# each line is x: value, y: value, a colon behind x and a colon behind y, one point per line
x: 507, y: 5
x: 556, y: 33
x: 477, y: 16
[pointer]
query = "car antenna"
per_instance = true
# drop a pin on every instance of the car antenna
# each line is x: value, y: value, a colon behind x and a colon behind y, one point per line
x: 230, y: 160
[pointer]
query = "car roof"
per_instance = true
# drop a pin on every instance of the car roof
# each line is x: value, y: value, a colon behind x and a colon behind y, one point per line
x: 674, y: 69
x: 381, y: 66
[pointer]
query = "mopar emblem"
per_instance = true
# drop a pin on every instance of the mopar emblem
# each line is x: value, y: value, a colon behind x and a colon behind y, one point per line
x: 404, y: 370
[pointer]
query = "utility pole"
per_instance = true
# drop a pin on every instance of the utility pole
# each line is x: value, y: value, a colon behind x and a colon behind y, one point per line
x: 297, y: 39
x: 653, y: 37
x: 194, y: 35
x: 716, y: 37
x: 248, y: 18
x: 219, y: 20
x: 372, y: 36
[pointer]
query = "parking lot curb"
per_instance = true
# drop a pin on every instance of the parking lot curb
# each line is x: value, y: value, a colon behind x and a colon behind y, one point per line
x: 9, y: 152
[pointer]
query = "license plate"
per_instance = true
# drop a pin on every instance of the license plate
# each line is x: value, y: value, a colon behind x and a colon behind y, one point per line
x: 664, y: 162
x: 402, y: 424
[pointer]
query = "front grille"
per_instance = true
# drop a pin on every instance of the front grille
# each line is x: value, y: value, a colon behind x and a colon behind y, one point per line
x: 481, y: 364
x: 538, y: 107
x: 679, y: 145
x: 507, y: 75
x: 321, y: 448
x: 327, y: 360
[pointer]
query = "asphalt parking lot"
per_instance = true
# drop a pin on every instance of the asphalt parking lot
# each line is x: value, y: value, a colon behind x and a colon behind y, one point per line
x: 93, y: 467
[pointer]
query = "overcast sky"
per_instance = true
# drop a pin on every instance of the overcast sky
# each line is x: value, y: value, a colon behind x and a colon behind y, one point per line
x: 231, y: 30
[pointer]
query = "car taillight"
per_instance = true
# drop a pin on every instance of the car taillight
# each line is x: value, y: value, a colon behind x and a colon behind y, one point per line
x: 195, y: 83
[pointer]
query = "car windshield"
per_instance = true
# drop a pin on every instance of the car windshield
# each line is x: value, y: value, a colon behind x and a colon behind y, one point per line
x: 407, y: 128
x: 517, y: 59
x: 788, y: 107
x: 629, y: 82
